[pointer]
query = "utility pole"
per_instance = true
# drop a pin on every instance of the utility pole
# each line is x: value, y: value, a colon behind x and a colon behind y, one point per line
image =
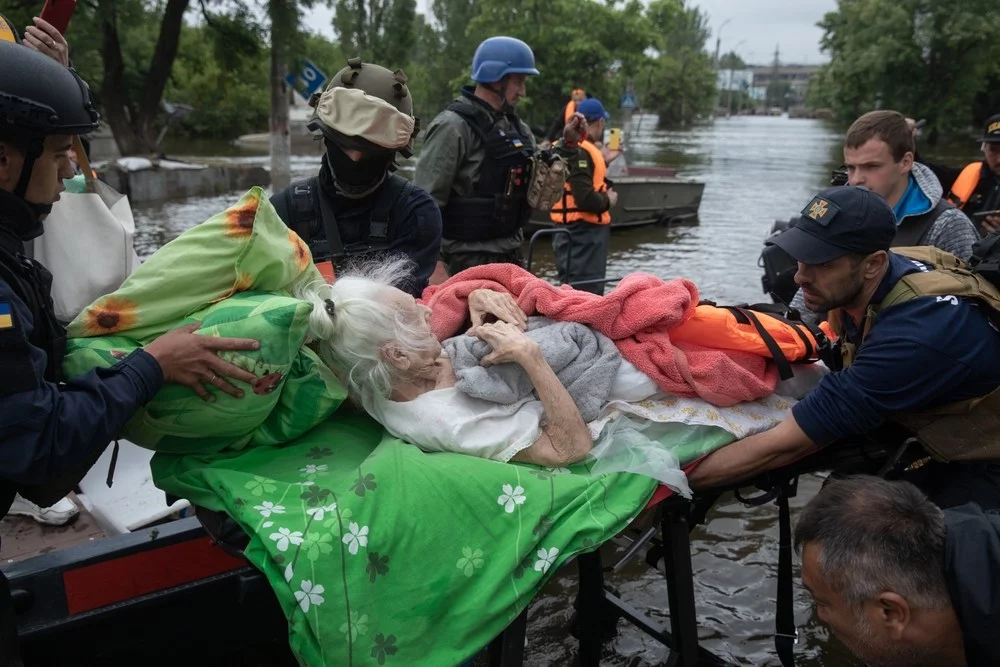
x: 627, y: 112
x: 774, y: 76
x: 281, y: 139
x: 718, y: 45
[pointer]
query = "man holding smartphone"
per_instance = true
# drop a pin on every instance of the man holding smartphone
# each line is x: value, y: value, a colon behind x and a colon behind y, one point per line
x: 975, y: 188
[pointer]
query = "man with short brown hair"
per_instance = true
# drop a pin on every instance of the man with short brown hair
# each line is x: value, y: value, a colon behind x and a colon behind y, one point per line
x: 879, y: 154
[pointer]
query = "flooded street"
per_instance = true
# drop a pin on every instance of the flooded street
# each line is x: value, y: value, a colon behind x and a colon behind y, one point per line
x: 756, y: 169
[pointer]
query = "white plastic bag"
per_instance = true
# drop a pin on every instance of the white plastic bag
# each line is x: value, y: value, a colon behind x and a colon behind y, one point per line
x: 87, y: 244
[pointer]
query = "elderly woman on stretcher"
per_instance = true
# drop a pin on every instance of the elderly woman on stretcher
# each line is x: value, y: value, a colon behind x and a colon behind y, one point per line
x: 513, y: 387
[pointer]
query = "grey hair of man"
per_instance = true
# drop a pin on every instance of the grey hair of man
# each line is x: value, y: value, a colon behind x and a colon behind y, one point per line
x: 351, y: 340
x: 875, y: 536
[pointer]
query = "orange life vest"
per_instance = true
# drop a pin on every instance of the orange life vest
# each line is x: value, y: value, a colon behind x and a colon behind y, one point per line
x: 740, y: 329
x: 570, y: 110
x: 965, y: 184
x: 565, y: 210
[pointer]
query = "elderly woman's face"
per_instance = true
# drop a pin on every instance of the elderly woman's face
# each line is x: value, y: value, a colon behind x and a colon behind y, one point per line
x: 414, y: 362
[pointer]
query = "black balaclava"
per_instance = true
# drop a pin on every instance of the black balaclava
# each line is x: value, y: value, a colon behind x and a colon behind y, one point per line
x: 356, y: 179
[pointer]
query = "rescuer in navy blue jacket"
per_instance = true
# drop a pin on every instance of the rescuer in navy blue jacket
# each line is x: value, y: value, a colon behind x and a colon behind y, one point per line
x: 52, y: 427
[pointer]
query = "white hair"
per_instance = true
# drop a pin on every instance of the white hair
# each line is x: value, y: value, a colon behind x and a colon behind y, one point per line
x: 363, y: 321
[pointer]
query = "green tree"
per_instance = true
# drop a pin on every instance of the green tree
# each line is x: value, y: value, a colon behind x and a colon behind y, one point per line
x: 226, y: 88
x: 732, y: 61
x: 380, y: 31
x: 927, y: 58
x: 680, y: 83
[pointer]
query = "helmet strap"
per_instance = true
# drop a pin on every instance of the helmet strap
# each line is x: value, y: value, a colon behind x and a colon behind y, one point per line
x: 34, y: 151
x: 505, y: 106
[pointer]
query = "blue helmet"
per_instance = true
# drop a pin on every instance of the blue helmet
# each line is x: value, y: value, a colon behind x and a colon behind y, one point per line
x: 497, y: 57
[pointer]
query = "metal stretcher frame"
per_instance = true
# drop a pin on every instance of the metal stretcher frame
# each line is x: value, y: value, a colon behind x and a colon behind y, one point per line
x: 599, y: 607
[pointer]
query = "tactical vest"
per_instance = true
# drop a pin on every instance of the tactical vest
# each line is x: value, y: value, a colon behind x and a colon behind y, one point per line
x: 309, y: 212
x: 498, y: 206
x: 32, y: 282
x: 565, y: 211
x: 966, y: 430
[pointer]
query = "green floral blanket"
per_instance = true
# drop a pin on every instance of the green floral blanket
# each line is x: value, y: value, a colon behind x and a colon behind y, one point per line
x: 378, y: 552
x: 382, y: 554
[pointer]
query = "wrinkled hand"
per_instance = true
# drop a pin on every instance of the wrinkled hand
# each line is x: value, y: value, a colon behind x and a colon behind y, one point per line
x: 508, y: 342
x: 575, y: 130
x: 191, y: 360
x: 612, y: 197
x: 44, y: 38
x: 485, y: 303
x: 990, y: 223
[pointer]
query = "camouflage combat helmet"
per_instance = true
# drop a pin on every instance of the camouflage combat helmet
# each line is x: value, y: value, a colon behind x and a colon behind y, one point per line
x: 366, y: 107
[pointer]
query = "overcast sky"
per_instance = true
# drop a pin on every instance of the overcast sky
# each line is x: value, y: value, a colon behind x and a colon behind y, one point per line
x: 755, y: 27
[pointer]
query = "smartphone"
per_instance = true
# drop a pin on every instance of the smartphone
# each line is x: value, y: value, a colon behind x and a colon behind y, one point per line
x: 58, y: 13
x: 982, y: 215
x: 614, y: 139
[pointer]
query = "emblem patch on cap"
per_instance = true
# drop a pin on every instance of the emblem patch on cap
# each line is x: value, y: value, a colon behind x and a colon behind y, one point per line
x: 994, y: 127
x: 820, y: 210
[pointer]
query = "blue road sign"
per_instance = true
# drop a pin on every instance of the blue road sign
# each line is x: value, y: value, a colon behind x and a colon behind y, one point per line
x: 308, y: 81
x: 629, y: 101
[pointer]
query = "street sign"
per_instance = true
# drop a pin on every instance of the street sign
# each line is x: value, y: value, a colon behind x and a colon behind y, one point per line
x: 629, y: 101
x: 308, y: 81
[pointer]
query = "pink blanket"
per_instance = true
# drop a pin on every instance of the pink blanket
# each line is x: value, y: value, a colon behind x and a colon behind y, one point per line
x: 637, y: 315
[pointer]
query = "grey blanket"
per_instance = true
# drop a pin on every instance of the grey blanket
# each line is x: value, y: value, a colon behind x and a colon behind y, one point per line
x: 584, y: 360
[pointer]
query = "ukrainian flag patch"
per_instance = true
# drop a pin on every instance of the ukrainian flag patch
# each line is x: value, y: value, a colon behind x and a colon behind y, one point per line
x: 6, y: 316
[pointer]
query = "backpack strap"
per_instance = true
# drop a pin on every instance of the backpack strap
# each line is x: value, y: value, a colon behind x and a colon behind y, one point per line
x: 308, y: 212
x: 303, y: 208
x: 395, y: 189
x: 912, y: 230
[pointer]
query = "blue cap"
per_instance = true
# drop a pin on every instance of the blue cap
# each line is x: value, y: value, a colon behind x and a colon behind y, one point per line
x: 838, y: 221
x: 592, y: 109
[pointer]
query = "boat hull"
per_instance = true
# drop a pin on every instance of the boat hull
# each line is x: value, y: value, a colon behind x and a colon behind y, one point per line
x: 645, y: 200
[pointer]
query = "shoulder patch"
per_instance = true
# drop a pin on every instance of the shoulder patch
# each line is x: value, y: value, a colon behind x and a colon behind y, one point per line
x: 6, y: 315
x: 583, y: 164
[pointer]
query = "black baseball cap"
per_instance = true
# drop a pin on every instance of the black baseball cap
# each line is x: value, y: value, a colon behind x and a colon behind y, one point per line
x: 838, y: 221
x: 991, y: 135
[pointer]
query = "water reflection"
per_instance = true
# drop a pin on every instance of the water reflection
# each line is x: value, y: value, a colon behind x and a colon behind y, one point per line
x: 756, y: 170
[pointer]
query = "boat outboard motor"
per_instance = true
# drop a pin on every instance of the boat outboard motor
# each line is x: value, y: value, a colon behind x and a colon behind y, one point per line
x: 779, y: 267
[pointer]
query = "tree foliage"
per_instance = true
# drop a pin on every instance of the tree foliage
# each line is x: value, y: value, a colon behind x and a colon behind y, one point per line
x: 732, y: 61
x: 680, y: 82
x: 215, y: 55
x: 381, y: 31
x: 933, y: 59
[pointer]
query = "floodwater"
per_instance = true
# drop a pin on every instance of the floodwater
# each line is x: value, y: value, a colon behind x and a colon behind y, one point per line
x: 756, y: 170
